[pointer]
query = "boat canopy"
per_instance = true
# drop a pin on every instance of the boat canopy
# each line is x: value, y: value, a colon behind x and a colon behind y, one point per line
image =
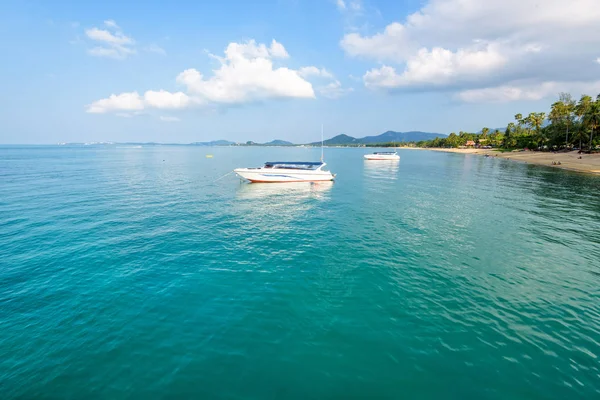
x: 294, y: 164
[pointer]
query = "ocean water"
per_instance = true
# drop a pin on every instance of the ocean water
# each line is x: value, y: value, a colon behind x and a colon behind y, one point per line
x: 147, y: 273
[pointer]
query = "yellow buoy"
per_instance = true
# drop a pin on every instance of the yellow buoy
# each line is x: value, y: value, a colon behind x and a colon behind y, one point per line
x: 209, y: 156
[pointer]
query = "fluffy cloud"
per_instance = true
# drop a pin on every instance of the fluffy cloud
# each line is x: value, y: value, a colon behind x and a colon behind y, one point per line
x: 341, y: 4
x: 133, y: 101
x: 526, y: 91
x: 111, y: 41
x: 478, y: 44
x: 163, y: 99
x: 392, y: 44
x: 245, y: 74
x: 111, y: 24
x: 438, y: 67
x: 277, y: 50
x: 122, y: 102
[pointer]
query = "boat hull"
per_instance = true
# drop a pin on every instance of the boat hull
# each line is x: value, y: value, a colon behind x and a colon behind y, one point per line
x: 276, y: 175
x: 382, y: 157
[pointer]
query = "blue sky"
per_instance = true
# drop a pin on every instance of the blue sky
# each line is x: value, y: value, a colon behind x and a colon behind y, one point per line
x: 194, y: 71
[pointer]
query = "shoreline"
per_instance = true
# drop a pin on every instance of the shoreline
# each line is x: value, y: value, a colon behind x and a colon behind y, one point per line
x: 589, y: 163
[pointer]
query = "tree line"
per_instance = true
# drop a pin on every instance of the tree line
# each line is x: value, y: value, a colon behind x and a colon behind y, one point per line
x: 570, y: 124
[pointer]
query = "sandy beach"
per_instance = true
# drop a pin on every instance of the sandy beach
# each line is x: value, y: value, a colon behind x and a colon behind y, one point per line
x: 589, y: 163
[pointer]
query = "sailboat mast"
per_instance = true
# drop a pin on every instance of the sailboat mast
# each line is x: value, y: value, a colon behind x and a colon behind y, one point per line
x: 321, y: 142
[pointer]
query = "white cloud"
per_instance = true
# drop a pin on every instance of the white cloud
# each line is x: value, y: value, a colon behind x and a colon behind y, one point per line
x: 252, y: 50
x: 391, y: 44
x: 111, y: 42
x: 314, y: 71
x: 438, y: 67
x: 526, y: 91
x: 164, y: 99
x: 277, y: 50
x: 102, y: 35
x: 169, y: 119
x: 111, y: 24
x: 334, y: 90
x: 246, y: 74
x: 133, y: 101
x: 598, y: 60
x: 341, y: 4
x: 155, y: 49
x: 482, y: 44
x: 123, y: 101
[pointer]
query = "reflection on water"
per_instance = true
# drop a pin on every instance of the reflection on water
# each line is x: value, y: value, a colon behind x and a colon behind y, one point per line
x: 273, y: 206
x: 284, y: 192
x: 382, y: 169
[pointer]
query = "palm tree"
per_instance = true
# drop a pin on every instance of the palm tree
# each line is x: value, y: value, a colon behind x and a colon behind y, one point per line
x: 557, y: 114
x: 567, y: 110
x: 581, y: 109
x: 485, y: 131
x: 519, y: 119
x: 530, y: 121
x: 592, y: 118
x: 506, y: 142
x: 535, y: 120
x: 452, y: 140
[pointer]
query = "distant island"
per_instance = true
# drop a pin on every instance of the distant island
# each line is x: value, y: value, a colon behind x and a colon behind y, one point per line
x: 214, y: 143
x: 386, y: 137
x: 342, y: 140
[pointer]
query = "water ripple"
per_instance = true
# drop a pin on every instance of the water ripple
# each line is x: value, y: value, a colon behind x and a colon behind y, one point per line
x: 128, y: 273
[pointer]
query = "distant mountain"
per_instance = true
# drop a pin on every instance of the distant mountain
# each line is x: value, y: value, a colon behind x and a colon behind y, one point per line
x: 339, y: 140
x: 147, y: 144
x: 386, y: 137
x: 391, y: 136
x: 278, y: 142
x: 214, y: 143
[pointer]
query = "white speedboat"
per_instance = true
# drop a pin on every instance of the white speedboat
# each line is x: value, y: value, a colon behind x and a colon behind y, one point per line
x: 383, y: 155
x: 286, y: 171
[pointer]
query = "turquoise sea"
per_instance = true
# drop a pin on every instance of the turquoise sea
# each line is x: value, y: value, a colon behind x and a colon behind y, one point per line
x: 136, y: 273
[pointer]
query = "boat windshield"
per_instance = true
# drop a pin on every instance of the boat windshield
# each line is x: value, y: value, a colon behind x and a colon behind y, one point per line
x: 385, y: 152
x: 293, y: 165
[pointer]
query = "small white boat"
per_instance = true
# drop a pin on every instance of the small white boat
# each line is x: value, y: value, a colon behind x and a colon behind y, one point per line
x: 383, y: 155
x: 286, y: 171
